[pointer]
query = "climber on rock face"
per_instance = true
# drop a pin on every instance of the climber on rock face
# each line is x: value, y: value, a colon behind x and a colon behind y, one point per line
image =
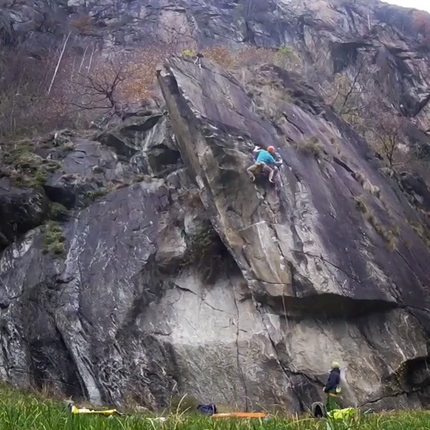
x: 265, y: 161
x: 198, y: 59
x: 332, y: 388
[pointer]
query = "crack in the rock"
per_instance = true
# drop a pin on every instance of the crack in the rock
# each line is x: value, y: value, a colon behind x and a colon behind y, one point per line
x: 343, y: 165
x: 239, y: 367
x: 269, y: 283
x: 186, y: 290
x: 158, y: 333
x: 293, y: 216
x: 292, y: 123
x: 406, y: 307
x: 284, y: 371
x: 410, y: 268
x: 214, y: 308
x: 357, y: 280
x: 400, y: 393
x: 377, y: 353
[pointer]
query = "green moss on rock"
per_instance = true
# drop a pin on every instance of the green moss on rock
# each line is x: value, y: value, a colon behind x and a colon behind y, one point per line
x: 27, y: 169
x: 93, y: 195
x: 53, y: 240
x: 57, y: 212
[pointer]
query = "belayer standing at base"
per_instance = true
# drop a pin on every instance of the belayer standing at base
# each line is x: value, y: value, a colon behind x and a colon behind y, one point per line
x: 332, y: 388
x: 265, y: 161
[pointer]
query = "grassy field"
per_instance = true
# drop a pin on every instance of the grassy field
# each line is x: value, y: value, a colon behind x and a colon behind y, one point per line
x: 31, y: 412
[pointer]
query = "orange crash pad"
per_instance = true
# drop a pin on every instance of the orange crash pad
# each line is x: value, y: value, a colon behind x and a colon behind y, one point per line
x: 241, y: 415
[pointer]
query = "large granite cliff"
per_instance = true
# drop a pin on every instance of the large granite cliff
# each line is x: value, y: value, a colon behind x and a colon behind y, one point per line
x: 138, y: 262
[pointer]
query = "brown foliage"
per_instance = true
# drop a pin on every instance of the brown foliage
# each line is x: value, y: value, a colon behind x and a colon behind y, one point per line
x: 86, y: 86
x: 421, y: 23
x: 84, y: 24
x: 221, y: 55
x: 93, y: 85
x: 142, y: 70
x: 251, y: 56
x: 244, y: 57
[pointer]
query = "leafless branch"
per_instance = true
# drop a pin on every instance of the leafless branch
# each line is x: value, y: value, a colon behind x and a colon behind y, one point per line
x: 101, y: 86
x: 352, y: 87
x: 388, y: 131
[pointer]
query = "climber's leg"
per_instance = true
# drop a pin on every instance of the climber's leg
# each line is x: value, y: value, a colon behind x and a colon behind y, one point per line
x: 268, y: 171
x: 253, y: 170
x: 271, y: 174
x: 276, y: 178
x: 250, y: 171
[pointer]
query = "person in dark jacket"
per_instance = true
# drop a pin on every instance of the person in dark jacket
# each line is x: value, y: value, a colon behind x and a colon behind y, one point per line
x: 332, y: 387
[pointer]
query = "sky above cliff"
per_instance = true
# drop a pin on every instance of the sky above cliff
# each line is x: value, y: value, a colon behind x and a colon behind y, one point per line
x: 417, y: 4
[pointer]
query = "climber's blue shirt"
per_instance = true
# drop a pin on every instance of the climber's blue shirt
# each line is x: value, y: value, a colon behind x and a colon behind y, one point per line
x: 265, y: 157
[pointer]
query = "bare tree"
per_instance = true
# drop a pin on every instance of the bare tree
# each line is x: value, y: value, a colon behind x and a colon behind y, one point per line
x: 345, y: 94
x: 99, y: 90
x: 352, y: 94
x: 388, y: 135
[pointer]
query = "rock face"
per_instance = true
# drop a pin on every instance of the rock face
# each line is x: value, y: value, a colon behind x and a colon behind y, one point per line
x: 21, y: 210
x: 174, y: 274
x: 191, y: 279
x: 310, y: 275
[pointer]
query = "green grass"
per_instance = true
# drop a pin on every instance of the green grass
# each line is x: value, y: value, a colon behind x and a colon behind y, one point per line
x: 390, y: 235
x: 31, y: 411
x: 310, y: 146
x: 53, y: 239
x: 57, y: 212
x: 25, y: 168
x: 94, y: 195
